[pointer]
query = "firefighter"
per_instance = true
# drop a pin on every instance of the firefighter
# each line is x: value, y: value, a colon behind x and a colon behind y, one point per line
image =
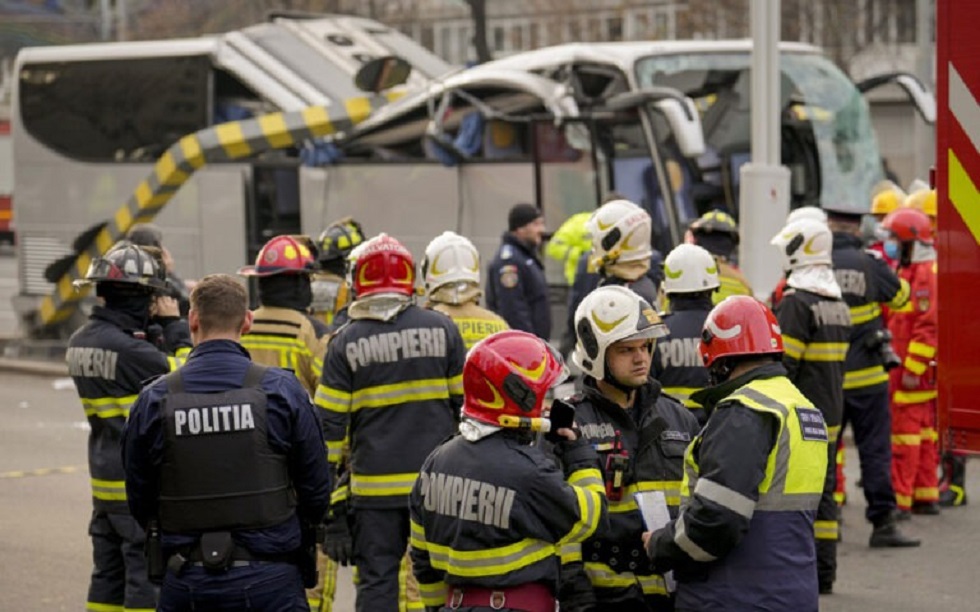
x: 621, y: 248
x: 331, y: 291
x: 149, y: 234
x: 451, y: 273
x: 516, y: 286
x: 109, y: 358
x: 867, y: 284
x: 717, y: 232
x: 283, y: 335
x: 392, y: 383
x: 888, y: 199
x: 924, y: 200
x: 752, y: 477
x: 570, y: 243
x: 816, y: 327
x: 489, y: 508
x: 640, y: 434
x: 913, y: 384
x: 224, y: 467
x: 691, y: 279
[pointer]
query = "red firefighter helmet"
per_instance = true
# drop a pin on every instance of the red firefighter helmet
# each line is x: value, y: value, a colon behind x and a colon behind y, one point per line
x: 908, y: 225
x: 283, y: 255
x: 740, y: 325
x: 383, y: 265
x: 506, y: 377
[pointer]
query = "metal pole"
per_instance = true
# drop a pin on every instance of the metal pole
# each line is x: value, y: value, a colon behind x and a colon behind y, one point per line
x: 105, y: 15
x: 924, y: 135
x: 122, y: 24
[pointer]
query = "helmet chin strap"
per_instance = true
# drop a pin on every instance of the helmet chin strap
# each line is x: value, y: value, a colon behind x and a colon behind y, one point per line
x: 609, y: 379
x: 720, y: 371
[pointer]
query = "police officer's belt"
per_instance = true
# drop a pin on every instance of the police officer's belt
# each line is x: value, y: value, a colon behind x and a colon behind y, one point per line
x: 530, y: 597
x: 620, y: 557
x: 217, y: 552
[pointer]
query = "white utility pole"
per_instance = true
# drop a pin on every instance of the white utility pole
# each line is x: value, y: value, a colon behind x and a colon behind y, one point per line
x: 764, y: 188
x: 924, y: 135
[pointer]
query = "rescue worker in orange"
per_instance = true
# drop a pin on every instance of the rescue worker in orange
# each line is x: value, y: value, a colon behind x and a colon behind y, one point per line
x: 451, y: 272
x: 914, y: 331
x: 717, y: 232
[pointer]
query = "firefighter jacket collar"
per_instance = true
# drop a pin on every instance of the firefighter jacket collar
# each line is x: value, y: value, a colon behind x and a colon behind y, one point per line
x: 845, y: 240
x: 817, y: 279
x: 710, y: 396
x: 120, y: 319
x: 680, y: 301
x: 646, y: 396
x: 472, y: 430
x: 379, y: 307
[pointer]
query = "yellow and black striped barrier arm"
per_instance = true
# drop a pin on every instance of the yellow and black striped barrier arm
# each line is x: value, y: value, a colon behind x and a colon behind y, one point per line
x: 223, y: 142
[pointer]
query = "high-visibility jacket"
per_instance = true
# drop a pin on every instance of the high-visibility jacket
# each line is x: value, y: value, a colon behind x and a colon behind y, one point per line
x: 867, y: 284
x: 653, y: 435
x: 109, y: 359
x: 733, y: 282
x: 752, y: 482
x: 285, y: 338
x: 474, y: 322
x: 393, y: 388
x: 569, y: 242
x: 493, y: 513
x: 915, y: 331
x: 677, y: 362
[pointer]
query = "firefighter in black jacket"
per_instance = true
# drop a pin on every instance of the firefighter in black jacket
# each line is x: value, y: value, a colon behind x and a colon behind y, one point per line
x: 867, y: 283
x: 691, y: 278
x: 640, y: 435
x: 816, y: 327
x: 109, y: 358
x: 392, y: 381
x: 489, y: 510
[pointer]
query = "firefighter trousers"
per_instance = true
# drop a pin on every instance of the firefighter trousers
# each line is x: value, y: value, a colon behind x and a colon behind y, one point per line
x: 119, y: 567
x: 320, y: 597
x: 826, y: 527
x: 915, y: 455
x: 384, y: 577
x: 871, y: 423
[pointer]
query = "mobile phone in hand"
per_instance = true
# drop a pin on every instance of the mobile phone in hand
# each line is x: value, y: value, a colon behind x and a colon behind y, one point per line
x: 562, y: 415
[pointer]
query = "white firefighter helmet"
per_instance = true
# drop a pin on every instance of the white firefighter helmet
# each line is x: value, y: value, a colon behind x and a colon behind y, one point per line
x: 807, y: 212
x: 606, y: 316
x: 450, y: 258
x: 689, y: 269
x: 804, y: 243
x: 620, y: 233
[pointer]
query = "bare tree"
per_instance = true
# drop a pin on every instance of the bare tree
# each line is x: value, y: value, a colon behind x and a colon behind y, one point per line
x: 478, y: 13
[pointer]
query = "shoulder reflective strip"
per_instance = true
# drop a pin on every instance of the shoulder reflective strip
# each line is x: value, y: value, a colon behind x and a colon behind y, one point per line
x: 109, y: 490
x: 433, y: 594
x: 916, y: 367
x: 108, y: 407
x: 590, y: 508
x: 825, y: 530
x: 907, y: 439
x: 913, y: 397
x: 383, y: 485
x: 183, y: 353
x: 866, y: 377
x: 92, y: 606
x: 683, y: 395
x: 865, y: 313
x: 456, y: 385
x: 687, y: 545
x: 490, y: 561
x: 725, y: 497
x: 755, y: 399
x: 922, y: 349
x: 902, y: 295
x: 383, y: 396
x: 332, y: 399
x: 825, y: 351
x: 604, y: 577
x: 570, y: 553
x: 794, y: 348
x: 589, y: 479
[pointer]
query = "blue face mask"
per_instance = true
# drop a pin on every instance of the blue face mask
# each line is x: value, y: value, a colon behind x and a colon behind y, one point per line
x: 892, y: 249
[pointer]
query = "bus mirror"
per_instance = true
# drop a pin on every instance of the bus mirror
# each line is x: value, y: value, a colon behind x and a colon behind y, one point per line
x: 382, y: 73
x: 685, y: 123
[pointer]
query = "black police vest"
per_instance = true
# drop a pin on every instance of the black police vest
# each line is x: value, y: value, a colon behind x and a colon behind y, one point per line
x: 218, y: 471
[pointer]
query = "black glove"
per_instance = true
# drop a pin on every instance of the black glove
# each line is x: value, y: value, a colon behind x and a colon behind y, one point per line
x: 576, y: 454
x: 338, y: 541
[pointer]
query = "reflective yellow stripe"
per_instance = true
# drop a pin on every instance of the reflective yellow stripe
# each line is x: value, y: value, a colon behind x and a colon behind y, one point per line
x: 590, y: 479
x: 384, y: 485
x: 332, y: 399
x: 794, y: 348
x: 139, y: 609
x: 926, y: 493
x: 570, y: 553
x: 683, y: 395
x: 833, y: 432
x: 335, y: 450
x: 340, y: 494
x: 930, y: 434
x: 381, y: 396
x: 477, y: 563
x: 456, y: 385
x: 109, y: 490
x: 108, y: 407
x: 914, y: 397
x: 825, y: 351
x: 922, y: 350
x: 671, y: 489
x: 901, y: 299
x: 906, y: 439
x: 866, y: 377
x: 903, y: 501
x: 433, y: 594
x: 604, y: 577
x: 589, y: 512
x: 916, y: 367
x: 825, y: 530
x: 865, y: 313
x: 91, y: 606
x: 174, y: 362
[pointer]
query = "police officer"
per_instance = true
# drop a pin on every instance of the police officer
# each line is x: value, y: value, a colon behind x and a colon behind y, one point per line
x: 516, y: 285
x: 640, y: 434
x: 392, y: 383
x: 331, y: 291
x: 489, y: 509
x: 691, y: 279
x: 816, y: 326
x: 752, y: 478
x: 109, y: 358
x: 451, y: 272
x: 717, y: 232
x: 227, y: 457
x: 867, y: 283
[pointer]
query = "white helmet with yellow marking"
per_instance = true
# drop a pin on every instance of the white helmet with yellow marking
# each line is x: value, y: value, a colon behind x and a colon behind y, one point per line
x: 608, y: 315
x: 690, y: 269
x: 620, y: 233
x: 804, y: 243
x: 450, y: 258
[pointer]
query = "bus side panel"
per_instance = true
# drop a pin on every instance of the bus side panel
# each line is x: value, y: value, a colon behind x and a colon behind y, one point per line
x: 219, y: 237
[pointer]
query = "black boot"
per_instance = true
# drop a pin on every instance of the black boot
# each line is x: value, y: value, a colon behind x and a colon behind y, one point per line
x: 953, y: 492
x: 926, y: 508
x: 886, y: 534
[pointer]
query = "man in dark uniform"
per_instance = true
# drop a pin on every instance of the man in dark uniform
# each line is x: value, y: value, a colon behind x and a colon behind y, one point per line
x: 867, y: 283
x: 752, y: 479
x: 489, y: 509
x: 691, y: 279
x: 640, y: 435
x: 516, y: 286
x: 226, y: 459
x: 109, y: 358
x: 392, y: 385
